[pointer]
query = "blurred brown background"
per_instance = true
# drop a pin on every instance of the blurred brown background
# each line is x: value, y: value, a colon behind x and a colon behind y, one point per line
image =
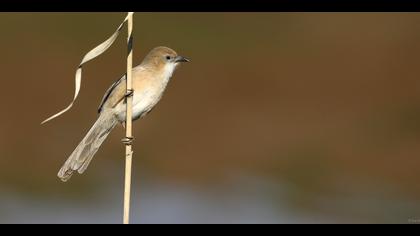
x: 280, y: 117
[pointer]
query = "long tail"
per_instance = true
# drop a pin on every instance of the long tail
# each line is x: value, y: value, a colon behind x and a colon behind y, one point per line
x: 84, y: 152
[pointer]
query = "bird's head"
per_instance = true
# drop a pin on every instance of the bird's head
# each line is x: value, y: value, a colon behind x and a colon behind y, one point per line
x: 163, y: 57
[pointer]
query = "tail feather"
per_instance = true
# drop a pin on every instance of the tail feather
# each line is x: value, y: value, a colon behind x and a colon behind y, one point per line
x: 81, y: 157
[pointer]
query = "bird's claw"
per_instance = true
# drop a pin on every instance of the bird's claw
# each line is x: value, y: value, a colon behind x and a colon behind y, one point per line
x: 127, y: 140
x: 129, y: 93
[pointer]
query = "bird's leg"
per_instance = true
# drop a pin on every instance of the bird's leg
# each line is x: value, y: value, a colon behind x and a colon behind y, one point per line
x: 129, y: 93
x: 127, y: 140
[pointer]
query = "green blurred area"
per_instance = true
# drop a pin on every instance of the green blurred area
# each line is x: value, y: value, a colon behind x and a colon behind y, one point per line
x: 327, y: 102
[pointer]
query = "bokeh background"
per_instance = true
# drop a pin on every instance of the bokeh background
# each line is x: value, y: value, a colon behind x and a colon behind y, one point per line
x: 279, y: 118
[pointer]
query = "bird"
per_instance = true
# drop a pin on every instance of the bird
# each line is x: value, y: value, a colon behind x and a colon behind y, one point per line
x: 149, y: 81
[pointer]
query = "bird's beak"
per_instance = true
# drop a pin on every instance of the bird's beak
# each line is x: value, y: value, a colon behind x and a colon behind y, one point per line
x: 181, y: 59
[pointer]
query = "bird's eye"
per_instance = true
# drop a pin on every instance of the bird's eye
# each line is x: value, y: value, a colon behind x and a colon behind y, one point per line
x: 168, y: 58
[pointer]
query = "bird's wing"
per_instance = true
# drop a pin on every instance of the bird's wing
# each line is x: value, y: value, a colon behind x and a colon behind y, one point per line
x: 109, y: 92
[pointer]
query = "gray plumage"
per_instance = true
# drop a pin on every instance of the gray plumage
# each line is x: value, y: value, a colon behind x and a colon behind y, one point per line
x: 84, y: 152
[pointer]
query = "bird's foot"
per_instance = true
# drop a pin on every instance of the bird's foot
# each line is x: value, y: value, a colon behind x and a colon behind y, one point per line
x: 127, y: 140
x: 129, y: 93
